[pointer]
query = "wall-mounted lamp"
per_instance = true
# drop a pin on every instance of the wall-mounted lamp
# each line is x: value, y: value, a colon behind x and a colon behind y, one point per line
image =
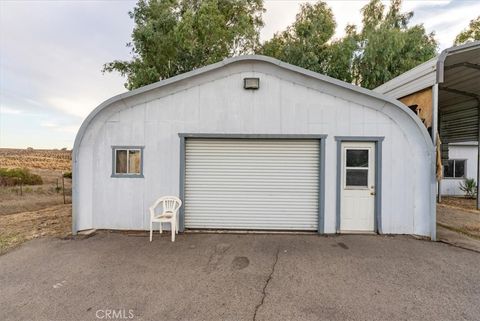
x: 251, y: 83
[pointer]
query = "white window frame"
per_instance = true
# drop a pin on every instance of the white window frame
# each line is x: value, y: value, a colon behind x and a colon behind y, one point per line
x: 114, y: 161
x: 454, y: 165
x: 345, y: 168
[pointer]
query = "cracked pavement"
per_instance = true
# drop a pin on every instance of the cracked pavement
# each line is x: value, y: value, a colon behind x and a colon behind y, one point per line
x: 239, y: 277
x: 264, y: 290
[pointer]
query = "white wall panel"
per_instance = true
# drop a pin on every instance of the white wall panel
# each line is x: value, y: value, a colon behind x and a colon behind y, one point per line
x: 451, y: 186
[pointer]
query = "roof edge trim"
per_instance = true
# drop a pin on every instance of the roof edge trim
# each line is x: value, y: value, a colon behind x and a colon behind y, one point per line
x: 446, y: 52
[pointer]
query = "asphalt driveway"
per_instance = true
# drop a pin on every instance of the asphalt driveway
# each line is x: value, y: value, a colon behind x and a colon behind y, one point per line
x: 239, y: 277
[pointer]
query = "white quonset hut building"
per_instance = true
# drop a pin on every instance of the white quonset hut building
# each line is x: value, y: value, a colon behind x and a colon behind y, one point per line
x: 252, y: 143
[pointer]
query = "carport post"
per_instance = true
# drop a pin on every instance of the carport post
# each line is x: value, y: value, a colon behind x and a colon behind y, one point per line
x: 434, y: 132
x: 478, y: 152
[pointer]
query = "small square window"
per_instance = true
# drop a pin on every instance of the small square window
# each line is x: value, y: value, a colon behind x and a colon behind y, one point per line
x: 357, y: 178
x: 455, y: 168
x: 127, y: 162
x: 356, y: 168
x: 357, y: 157
x: 460, y: 168
x: 448, y: 169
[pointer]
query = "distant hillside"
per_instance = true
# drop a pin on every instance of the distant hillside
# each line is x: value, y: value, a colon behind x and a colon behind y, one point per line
x: 36, y: 158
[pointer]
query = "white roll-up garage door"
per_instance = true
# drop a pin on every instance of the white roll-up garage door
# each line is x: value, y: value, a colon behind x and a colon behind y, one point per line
x: 266, y: 184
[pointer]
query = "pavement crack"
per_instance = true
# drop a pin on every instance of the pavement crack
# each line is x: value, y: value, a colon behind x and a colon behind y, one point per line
x: 264, y: 290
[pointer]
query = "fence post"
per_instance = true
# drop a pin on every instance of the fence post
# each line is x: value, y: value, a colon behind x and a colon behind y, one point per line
x: 21, y: 187
x: 63, y: 188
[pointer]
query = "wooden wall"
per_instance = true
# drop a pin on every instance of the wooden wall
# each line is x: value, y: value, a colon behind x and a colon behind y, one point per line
x: 423, y: 99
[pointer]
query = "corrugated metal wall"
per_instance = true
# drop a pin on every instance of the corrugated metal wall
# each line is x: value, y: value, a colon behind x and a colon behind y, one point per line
x: 458, y: 121
x: 252, y: 184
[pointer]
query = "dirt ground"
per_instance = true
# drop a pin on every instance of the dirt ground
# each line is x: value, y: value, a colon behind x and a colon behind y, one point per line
x: 20, y: 227
x: 457, y: 219
x: 462, y: 202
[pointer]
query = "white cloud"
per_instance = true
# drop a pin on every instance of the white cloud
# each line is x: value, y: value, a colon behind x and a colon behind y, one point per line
x: 446, y: 17
x: 54, y: 58
x: 49, y: 125
x: 72, y: 105
x: 447, y: 23
x: 52, y: 54
x: 10, y: 111
x: 61, y: 128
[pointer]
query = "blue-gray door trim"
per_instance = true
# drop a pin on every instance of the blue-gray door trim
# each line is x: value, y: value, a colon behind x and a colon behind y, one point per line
x: 378, y: 176
x: 321, y: 174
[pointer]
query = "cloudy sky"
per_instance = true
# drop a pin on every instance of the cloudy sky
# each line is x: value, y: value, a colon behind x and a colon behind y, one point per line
x: 51, y: 54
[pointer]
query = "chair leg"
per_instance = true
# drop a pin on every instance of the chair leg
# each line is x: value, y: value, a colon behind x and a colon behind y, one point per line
x: 173, y: 225
x: 177, y: 226
x: 151, y: 230
x: 160, y: 229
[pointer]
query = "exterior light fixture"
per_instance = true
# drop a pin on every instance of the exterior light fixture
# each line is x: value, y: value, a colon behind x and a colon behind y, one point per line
x: 251, y: 83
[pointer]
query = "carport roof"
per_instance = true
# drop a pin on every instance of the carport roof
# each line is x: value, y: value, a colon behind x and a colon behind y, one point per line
x: 458, y: 76
x: 456, y: 71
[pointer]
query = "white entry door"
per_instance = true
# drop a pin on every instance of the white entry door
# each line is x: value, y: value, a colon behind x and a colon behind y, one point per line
x: 357, y: 208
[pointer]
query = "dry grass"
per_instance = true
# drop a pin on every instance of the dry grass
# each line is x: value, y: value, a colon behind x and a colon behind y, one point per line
x: 32, y: 198
x: 39, y: 210
x: 20, y: 227
x: 36, y: 158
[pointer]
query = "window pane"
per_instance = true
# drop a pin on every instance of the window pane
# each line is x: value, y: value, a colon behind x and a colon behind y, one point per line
x: 448, y: 169
x: 121, y: 161
x: 134, y: 162
x: 357, y: 157
x: 357, y: 177
x: 459, y: 168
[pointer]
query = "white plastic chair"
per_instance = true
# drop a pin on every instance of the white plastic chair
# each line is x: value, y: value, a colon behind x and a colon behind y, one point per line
x: 169, y: 214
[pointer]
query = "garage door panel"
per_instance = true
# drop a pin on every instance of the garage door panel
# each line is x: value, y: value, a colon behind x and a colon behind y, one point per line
x: 251, y: 184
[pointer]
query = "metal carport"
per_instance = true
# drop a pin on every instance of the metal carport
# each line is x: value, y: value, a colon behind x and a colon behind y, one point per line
x: 453, y: 79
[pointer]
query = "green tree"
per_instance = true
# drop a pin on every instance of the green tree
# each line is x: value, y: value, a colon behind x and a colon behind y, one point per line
x: 304, y: 43
x: 384, y: 48
x: 387, y: 46
x: 171, y: 37
x: 472, y: 33
x: 341, y: 56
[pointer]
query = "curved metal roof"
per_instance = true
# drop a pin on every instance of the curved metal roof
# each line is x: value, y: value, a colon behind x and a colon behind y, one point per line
x: 259, y: 58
